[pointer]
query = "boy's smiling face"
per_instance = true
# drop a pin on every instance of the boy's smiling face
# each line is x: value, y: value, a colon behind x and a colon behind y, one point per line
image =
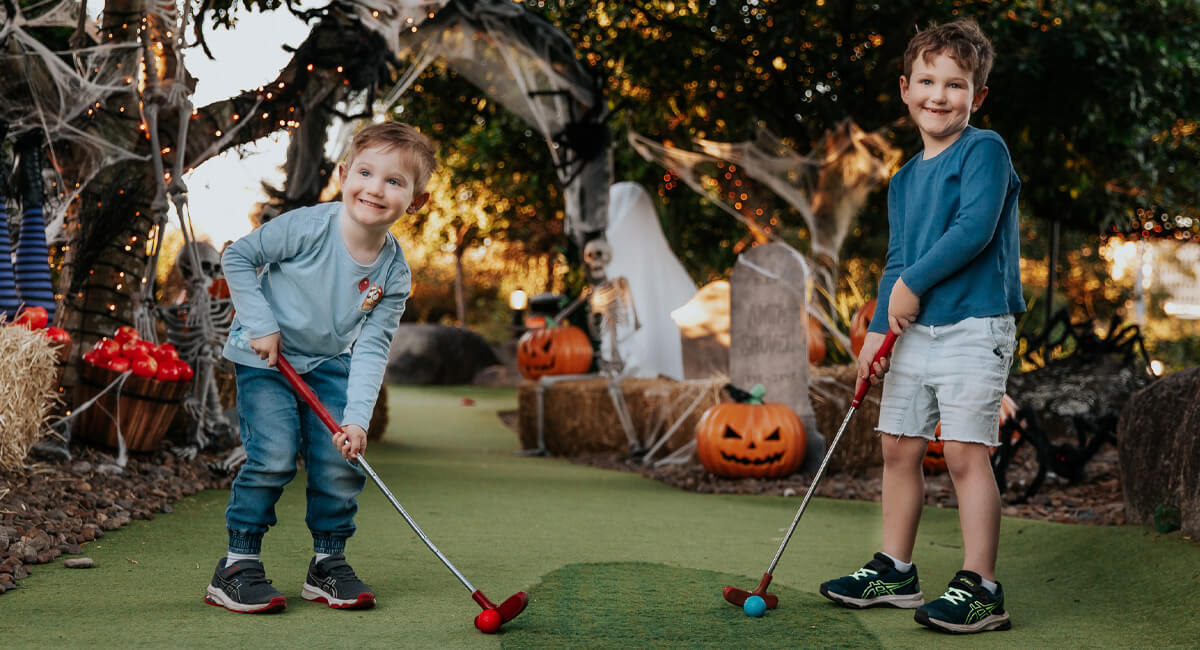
x: 379, y: 187
x: 940, y: 96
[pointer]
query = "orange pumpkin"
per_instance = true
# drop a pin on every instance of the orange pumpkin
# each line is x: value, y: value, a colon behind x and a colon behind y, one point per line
x: 859, y: 324
x: 934, y: 461
x: 559, y: 350
x: 750, y: 439
x: 816, y: 342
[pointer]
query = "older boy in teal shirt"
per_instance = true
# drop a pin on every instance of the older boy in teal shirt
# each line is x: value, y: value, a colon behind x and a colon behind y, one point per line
x: 952, y: 284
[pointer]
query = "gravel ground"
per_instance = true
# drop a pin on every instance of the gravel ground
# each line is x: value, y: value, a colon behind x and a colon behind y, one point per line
x: 51, y: 508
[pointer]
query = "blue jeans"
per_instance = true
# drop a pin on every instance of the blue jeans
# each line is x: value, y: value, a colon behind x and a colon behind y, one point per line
x: 276, y: 425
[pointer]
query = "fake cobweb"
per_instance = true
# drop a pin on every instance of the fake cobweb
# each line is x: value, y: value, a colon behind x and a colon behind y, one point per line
x: 50, y: 92
x: 526, y: 65
x: 827, y: 187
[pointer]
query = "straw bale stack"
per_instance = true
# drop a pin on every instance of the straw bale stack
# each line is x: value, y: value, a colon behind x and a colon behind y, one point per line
x: 580, y: 417
x: 28, y: 383
x: 831, y: 389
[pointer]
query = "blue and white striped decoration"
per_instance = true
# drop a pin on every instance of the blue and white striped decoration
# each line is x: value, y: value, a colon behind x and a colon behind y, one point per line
x: 9, y: 300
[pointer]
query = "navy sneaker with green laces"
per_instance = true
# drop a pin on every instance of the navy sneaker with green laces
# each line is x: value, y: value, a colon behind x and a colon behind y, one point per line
x: 243, y: 587
x: 332, y: 581
x: 877, y: 584
x: 966, y: 607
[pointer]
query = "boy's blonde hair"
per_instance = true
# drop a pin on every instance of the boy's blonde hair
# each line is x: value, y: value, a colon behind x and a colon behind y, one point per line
x: 961, y: 40
x: 392, y: 135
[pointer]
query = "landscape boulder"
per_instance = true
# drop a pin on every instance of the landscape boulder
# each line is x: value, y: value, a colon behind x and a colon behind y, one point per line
x: 437, y: 354
x: 1158, y: 442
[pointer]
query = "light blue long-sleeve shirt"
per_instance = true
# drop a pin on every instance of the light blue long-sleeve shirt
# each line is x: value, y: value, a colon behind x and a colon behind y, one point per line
x: 954, y: 236
x: 321, y: 301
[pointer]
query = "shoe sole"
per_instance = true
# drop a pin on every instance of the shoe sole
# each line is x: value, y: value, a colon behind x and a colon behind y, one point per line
x: 317, y: 595
x: 905, y: 601
x: 218, y: 598
x: 995, y: 622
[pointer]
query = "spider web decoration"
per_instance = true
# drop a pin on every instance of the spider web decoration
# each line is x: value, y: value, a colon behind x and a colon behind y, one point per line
x: 827, y: 187
x: 528, y: 66
x: 53, y: 92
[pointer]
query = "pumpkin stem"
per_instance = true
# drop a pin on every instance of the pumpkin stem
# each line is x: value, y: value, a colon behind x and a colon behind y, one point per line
x: 756, y: 394
x: 753, y: 397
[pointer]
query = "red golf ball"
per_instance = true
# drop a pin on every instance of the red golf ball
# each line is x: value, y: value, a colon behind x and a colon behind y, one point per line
x: 488, y: 621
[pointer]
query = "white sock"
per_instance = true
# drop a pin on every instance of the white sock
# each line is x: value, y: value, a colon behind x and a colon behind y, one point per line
x: 988, y: 584
x: 322, y: 556
x: 902, y: 567
x: 232, y: 557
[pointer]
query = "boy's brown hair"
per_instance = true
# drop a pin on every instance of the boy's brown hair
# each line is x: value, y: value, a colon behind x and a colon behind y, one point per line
x: 961, y: 40
x: 392, y: 135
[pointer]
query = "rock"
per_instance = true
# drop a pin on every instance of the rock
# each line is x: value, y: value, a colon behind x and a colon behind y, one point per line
x: 1158, y: 442
x: 79, y: 563
x: 436, y: 354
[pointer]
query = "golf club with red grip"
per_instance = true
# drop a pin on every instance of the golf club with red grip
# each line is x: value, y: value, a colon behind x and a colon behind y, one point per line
x: 738, y: 596
x: 506, y: 611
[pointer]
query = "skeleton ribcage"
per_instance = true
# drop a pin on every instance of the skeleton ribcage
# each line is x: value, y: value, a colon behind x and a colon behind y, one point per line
x: 190, y: 336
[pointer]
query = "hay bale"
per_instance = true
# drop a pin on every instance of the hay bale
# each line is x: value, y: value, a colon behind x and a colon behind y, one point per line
x: 831, y: 389
x: 28, y: 382
x: 580, y: 417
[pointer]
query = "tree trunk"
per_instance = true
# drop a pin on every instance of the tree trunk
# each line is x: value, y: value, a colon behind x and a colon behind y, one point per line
x: 460, y: 297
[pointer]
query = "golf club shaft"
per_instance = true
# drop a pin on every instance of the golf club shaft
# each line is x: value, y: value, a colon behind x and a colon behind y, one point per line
x: 884, y: 349
x: 315, y: 404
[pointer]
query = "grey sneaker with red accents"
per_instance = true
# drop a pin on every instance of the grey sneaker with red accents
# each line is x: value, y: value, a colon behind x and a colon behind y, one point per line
x: 243, y: 587
x: 332, y: 581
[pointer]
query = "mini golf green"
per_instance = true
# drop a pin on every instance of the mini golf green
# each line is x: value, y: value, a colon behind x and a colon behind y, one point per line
x: 609, y: 559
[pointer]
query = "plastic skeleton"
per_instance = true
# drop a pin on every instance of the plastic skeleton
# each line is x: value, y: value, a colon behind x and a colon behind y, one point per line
x: 612, y: 313
x: 197, y: 328
x: 199, y: 338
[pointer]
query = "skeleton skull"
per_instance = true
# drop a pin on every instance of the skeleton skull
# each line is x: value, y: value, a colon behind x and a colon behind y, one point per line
x: 596, y: 256
x: 205, y: 255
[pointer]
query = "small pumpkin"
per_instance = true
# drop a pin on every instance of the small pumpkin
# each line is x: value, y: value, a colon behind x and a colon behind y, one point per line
x: 816, y: 342
x: 859, y: 323
x: 747, y: 438
x: 934, y: 461
x: 554, y: 350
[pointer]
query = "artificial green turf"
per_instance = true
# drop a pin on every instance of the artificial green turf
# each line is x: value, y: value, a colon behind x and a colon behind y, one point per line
x: 642, y: 605
x: 517, y: 523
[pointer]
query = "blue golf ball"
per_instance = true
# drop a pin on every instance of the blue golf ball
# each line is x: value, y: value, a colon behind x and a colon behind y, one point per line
x: 754, y: 606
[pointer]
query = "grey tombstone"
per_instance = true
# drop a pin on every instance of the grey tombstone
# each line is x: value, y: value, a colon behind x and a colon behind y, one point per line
x: 769, y: 337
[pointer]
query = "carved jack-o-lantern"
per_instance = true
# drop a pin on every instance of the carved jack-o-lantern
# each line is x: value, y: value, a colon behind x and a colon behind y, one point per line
x: 858, y: 325
x: 750, y: 438
x: 561, y: 350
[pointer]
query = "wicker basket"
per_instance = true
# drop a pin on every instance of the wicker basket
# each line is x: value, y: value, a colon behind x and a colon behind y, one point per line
x: 146, y: 408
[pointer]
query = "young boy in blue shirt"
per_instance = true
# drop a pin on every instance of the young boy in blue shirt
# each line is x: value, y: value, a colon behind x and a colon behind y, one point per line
x: 331, y: 290
x: 952, y: 283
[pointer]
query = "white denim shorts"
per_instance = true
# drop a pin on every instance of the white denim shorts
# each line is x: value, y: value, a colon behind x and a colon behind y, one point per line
x: 953, y: 373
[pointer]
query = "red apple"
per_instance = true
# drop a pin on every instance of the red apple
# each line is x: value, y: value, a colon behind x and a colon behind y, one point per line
x: 165, y: 352
x: 34, y: 318
x: 185, y: 371
x: 144, y: 366
x: 58, y: 335
x: 106, y: 349
x: 118, y: 364
x: 125, y: 334
x: 137, y: 348
x: 168, y: 371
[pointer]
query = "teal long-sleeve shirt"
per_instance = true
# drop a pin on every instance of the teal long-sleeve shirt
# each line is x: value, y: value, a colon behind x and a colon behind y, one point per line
x: 321, y: 301
x: 954, y: 236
